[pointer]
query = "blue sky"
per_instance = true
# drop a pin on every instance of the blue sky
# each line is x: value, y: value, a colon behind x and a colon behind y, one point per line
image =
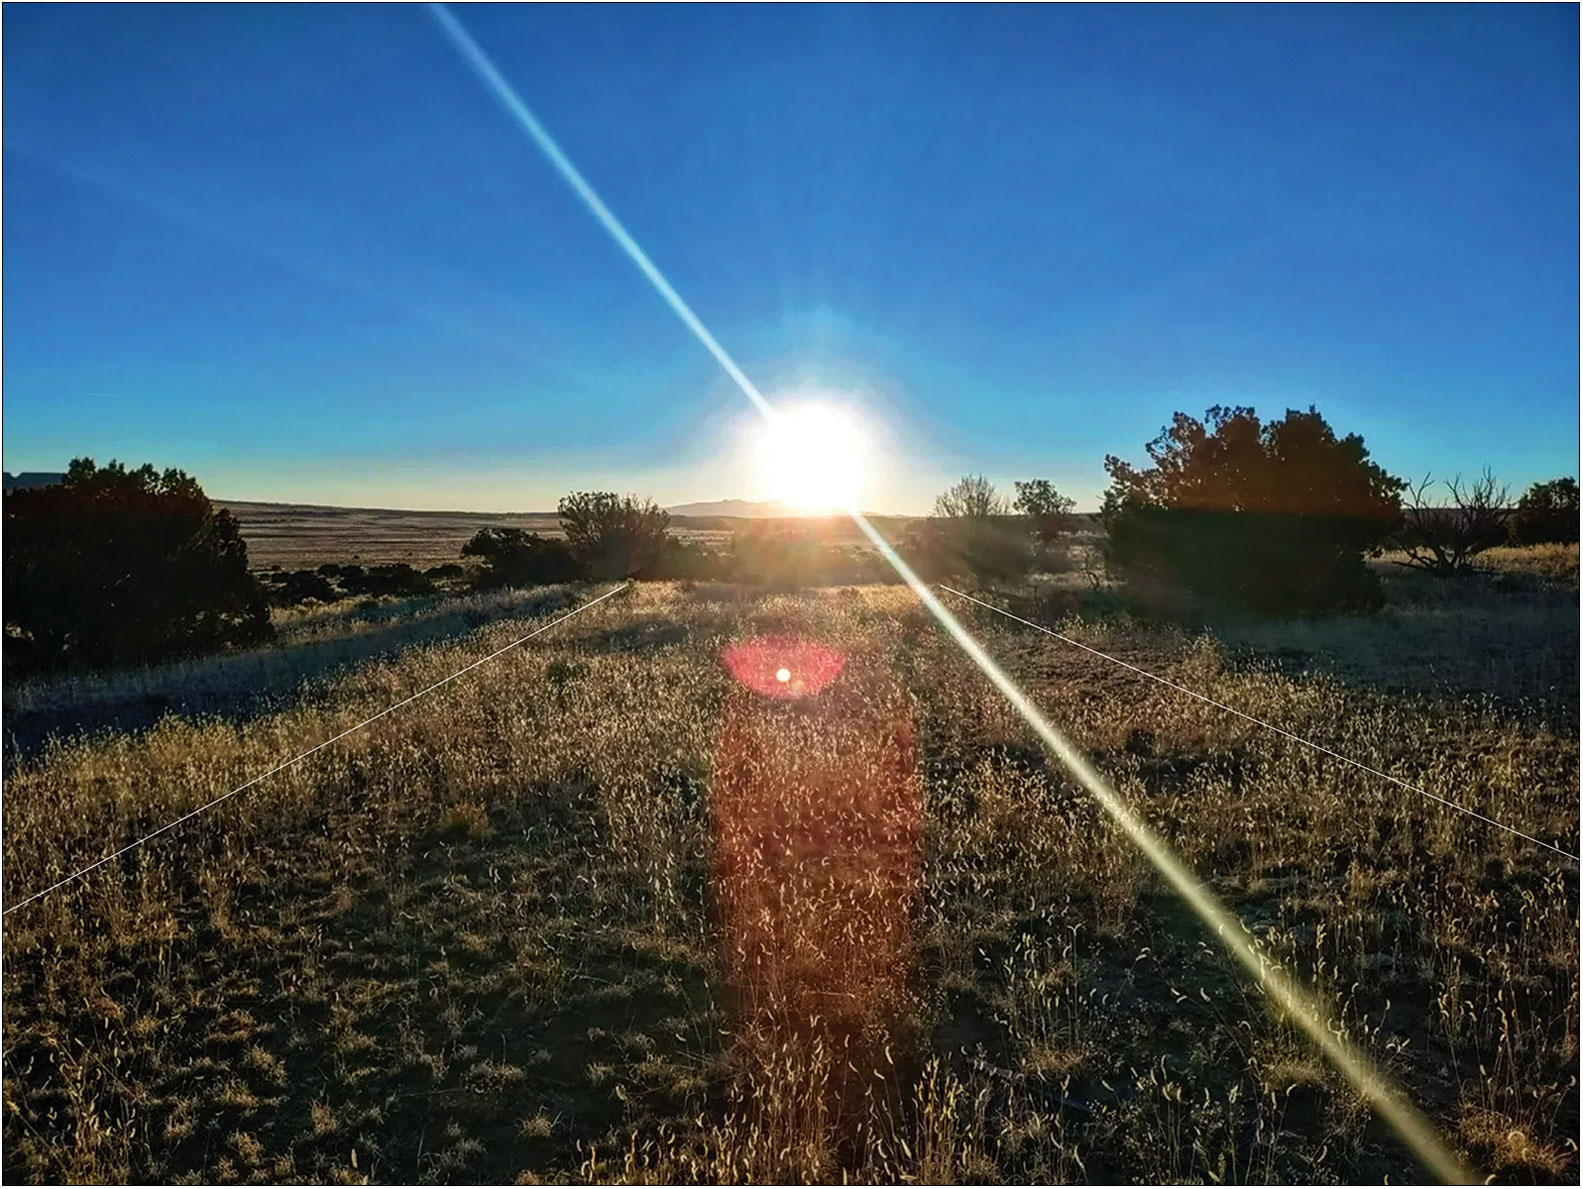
x: 301, y: 252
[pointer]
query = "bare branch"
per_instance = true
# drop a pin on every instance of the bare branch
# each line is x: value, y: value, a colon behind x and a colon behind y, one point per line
x: 1444, y: 539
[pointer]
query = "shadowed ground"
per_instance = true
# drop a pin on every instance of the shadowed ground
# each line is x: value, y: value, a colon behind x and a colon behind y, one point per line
x: 484, y: 939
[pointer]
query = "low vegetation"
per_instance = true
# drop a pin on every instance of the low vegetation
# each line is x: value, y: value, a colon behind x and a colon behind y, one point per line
x: 491, y: 937
x: 747, y: 874
x: 1547, y: 513
x: 1445, y: 539
x: 314, y: 643
x: 1274, y: 518
x: 113, y: 567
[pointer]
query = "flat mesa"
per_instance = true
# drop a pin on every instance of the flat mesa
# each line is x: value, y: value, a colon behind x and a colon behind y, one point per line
x: 783, y: 675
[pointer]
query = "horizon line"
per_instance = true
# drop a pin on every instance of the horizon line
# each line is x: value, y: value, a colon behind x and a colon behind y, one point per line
x: 551, y: 512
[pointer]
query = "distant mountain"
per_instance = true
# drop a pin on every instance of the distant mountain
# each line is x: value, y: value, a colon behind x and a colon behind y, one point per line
x: 758, y: 510
x: 32, y: 479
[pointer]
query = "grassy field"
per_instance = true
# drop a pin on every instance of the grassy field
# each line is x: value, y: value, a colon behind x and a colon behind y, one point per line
x: 561, y: 920
x: 298, y: 536
x: 314, y: 644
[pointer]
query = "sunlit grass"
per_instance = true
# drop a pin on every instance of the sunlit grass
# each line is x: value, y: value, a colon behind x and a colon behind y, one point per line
x: 482, y: 940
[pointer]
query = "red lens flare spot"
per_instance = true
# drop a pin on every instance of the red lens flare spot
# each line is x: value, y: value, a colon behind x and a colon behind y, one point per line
x: 783, y: 667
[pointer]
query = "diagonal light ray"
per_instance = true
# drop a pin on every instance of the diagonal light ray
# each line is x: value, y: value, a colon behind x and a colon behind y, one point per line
x: 1305, y: 1011
x: 502, y: 91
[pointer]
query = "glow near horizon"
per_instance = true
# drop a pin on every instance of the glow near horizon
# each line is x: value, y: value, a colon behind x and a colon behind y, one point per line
x: 814, y: 459
x: 1297, y: 1004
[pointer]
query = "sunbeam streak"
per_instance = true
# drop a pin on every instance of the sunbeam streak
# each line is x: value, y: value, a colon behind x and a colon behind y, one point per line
x: 1303, y: 1009
x: 485, y: 69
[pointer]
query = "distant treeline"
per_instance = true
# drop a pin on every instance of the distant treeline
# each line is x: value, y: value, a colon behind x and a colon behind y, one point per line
x: 114, y: 567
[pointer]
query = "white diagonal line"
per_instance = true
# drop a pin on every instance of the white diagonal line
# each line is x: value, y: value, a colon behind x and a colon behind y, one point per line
x: 317, y: 747
x: 1266, y: 725
x: 1301, y: 1008
x: 514, y: 106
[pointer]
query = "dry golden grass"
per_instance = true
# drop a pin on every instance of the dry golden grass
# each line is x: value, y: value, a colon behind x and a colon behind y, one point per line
x: 314, y: 644
x: 1511, y: 638
x: 485, y: 939
x: 298, y: 536
x: 1557, y: 562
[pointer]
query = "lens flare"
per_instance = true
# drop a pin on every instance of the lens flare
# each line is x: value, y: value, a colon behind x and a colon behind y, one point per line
x: 818, y: 823
x: 783, y: 667
x: 1296, y: 1004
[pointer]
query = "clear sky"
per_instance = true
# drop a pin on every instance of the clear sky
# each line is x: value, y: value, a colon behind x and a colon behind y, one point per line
x: 302, y: 253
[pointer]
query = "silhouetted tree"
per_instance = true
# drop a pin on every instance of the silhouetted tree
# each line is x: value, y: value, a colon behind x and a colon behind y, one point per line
x: 1443, y: 539
x: 972, y: 497
x: 972, y: 538
x: 1547, y: 512
x: 1271, y: 517
x: 116, y: 567
x: 513, y: 557
x: 614, y: 536
x: 1047, y: 508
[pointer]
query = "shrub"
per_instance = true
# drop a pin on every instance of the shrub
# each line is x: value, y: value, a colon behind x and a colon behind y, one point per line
x: 1444, y: 539
x: 614, y: 536
x: 972, y: 497
x: 980, y: 552
x: 513, y: 557
x: 294, y: 587
x: 1548, y: 512
x: 117, y: 567
x: 973, y: 538
x: 1049, y: 510
x: 783, y: 557
x: 1271, y: 518
x: 397, y: 578
x: 791, y: 556
x: 688, y: 560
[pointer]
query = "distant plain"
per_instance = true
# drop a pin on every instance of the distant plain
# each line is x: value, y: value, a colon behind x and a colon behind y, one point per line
x: 294, y: 536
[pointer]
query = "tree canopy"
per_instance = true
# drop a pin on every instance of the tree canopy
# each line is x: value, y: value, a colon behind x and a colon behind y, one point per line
x: 1047, y: 508
x: 121, y: 567
x: 1547, y: 512
x: 1274, y: 516
x: 614, y: 536
x: 973, y: 497
x: 1232, y: 462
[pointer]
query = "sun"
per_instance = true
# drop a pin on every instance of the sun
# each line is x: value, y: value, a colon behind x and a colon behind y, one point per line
x: 814, y: 459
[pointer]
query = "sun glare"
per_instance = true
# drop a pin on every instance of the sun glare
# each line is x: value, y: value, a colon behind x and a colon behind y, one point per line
x: 813, y: 458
